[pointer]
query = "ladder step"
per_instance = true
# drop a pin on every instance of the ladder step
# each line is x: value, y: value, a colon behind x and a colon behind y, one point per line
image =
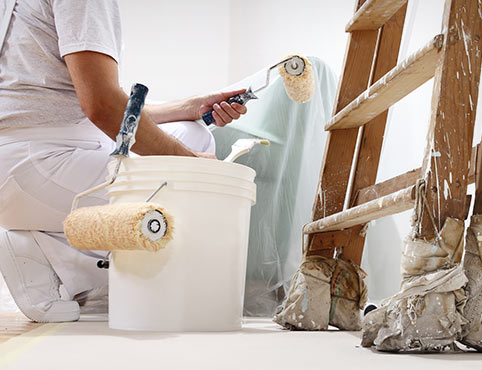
x: 373, y: 14
x: 397, y: 202
x: 396, y: 194
x: 387, y: 187
x: 400, y: 182
x: 396, y: 84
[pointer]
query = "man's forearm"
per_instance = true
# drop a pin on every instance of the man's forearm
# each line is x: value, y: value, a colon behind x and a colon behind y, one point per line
x: 150, y: 140
x: 182, y: 110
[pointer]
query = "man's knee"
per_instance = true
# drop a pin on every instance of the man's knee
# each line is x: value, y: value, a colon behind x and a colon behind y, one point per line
x: 193, y: 135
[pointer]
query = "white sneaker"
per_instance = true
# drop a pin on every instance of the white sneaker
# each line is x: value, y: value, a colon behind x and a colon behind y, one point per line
x: 32, y: 282
x: 94, y: 301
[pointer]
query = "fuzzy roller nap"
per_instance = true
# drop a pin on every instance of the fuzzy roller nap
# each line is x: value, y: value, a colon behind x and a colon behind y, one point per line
x: 123, y: 226
x: 298, y: 79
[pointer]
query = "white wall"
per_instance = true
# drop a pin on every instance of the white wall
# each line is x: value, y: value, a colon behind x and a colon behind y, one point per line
x: 185, y: 47
x: 177, y: 48
x: 180, y: 48
x: 265, y: 31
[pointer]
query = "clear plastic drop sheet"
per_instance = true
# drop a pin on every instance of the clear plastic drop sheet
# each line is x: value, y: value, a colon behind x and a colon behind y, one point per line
x: 287, y: 174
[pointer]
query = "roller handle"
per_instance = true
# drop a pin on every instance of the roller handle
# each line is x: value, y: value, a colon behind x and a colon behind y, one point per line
x: 242, y: 99
x: 132, y: 114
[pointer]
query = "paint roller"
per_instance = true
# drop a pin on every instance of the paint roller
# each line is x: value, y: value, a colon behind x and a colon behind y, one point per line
x: 122, y: 226
x: 297, y: 75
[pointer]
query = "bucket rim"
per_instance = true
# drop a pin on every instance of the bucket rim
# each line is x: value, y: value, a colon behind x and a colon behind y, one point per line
x: 205, y: 161
x: 251, y: 197
x: 241, y: 184
x: 146, y: 175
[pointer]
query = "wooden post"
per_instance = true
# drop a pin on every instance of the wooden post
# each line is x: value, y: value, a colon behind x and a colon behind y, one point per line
x: 478, y: 182
x: 341, y: 143
x: 454, y: 102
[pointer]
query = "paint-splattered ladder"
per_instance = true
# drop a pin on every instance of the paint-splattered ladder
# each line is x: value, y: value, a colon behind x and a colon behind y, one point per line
x: 347, y: 196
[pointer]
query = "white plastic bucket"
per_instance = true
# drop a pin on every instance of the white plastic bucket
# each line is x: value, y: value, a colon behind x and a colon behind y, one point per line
x: 197, y: 282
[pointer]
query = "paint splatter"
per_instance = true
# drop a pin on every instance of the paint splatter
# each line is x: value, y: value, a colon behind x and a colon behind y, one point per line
x: 447, y: 191
x: 305, y: 301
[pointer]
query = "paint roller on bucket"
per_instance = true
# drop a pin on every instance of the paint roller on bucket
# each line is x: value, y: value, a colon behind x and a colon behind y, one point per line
x: 197, y: 282
x: 297, y: 74
x: 126, y: 226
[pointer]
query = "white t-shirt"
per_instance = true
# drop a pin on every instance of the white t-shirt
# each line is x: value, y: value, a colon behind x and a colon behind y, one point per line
x: 35, y: 84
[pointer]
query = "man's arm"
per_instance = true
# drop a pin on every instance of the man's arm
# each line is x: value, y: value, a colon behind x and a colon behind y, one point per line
x: 95, y: 78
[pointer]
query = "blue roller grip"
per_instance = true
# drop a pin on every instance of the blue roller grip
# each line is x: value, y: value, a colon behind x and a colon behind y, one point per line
x: 242, y: 99
x: 132, y: 114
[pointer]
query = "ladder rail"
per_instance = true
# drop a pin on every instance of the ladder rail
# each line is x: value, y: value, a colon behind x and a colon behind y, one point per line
x: 340, y: 147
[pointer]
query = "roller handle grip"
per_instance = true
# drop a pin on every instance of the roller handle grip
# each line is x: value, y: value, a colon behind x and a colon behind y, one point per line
x: 208, y: 117
x: 242, y: 99
x: 132, y: 114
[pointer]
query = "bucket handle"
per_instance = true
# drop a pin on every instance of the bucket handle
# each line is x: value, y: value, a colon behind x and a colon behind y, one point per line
x: 156, y: 191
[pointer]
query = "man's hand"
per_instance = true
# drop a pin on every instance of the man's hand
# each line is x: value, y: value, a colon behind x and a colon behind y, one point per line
x: 223, y: 113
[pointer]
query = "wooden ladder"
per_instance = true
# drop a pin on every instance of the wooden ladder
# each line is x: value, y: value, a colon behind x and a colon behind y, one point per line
x: 347, y: 197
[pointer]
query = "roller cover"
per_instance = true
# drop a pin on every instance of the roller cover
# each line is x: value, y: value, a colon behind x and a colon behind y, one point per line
x: 114, y: 227
x: 299, y: 88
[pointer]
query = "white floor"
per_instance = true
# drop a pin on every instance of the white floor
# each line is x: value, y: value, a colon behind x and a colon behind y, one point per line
x: 261, y: 344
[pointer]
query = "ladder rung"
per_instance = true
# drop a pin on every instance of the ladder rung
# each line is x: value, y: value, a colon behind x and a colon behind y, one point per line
x: 396, y: 84
x: 387, y: 187
x: 388, y: 205
x: 387, y: 192
x: 373, y: 14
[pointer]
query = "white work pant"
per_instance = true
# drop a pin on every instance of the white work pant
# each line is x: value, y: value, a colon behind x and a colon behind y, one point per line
x: 42, y: 169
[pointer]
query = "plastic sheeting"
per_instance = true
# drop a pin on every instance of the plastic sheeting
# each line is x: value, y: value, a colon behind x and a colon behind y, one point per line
x: 287, y: 174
